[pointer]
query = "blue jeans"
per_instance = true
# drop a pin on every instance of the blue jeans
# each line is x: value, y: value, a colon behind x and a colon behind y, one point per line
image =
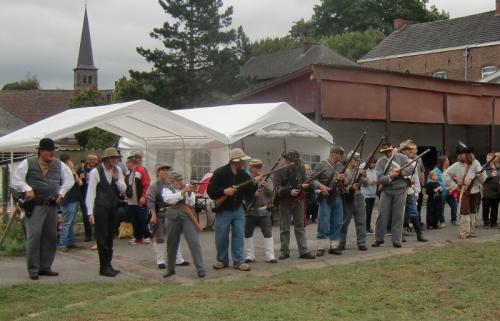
x: 233, y: 221
x: 411, y: 210
x: 66, y: 235
x: 452, y: 202
x: 330, y: 219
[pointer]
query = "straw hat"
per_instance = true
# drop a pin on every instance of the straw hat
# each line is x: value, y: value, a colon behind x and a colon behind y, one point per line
x: 110, y: 152
x: 255, y: 162
x: 237, y: 154
x: 407, y: 144
x: 386, y: 148
x: 356, y: 155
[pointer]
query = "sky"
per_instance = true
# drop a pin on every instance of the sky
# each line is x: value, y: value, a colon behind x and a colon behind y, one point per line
x: 42, y: 37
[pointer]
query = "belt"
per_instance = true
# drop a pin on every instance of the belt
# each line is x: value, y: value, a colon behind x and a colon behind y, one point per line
x: 45, y: 203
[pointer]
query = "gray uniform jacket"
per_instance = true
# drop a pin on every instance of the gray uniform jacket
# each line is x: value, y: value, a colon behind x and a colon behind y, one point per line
x: 257, y: 206
x: 399, y: 184
x: 328, y: 177
x: 349, y: 177
x: 155, y: 197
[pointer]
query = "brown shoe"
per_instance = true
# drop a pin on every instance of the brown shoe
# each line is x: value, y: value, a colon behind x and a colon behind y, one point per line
x: 243, y: 267
x: 218, y: 265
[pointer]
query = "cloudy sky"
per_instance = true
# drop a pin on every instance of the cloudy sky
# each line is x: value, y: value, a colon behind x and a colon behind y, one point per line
x: 42, y: 37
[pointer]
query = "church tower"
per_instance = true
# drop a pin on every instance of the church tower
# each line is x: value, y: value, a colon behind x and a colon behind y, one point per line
x: 85, y: 72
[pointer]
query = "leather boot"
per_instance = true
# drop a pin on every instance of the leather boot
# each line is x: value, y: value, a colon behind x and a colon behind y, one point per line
x: 418, y: 229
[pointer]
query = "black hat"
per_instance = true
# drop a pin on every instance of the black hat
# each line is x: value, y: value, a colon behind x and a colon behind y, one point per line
x: 46, y: 144
x: 291, y: 155
x: 463, y: 149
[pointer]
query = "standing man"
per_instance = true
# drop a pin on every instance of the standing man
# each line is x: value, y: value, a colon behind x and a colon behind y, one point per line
x: 137, y: 209
x: 414, y: 189
x: 291, y: 184
x: 158, y: 209
x: 106, y: 183
x: 369, y: 191
x: 258, y: 214
x: 145, y: 180
x: 330, y: 212
x: 230, y: 216
x: 83, y: 173
x: 393, y: 195
x: 180, y: 199
x: 354, y: 203
x: 491, y: 189
x: 45, y: 180
x: 459, y: 176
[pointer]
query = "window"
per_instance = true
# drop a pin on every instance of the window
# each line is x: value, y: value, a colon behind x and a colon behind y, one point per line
x: 90, y: 79
x: 84, y: 79
x: 488, y: 70
x: 311, y: 159
x: 440, y: 74
x: 165, y: 156
x: 200, y: 164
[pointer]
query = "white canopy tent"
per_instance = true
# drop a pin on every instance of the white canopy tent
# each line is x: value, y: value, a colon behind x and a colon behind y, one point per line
x: 262, y: 130
x: 194, y: 140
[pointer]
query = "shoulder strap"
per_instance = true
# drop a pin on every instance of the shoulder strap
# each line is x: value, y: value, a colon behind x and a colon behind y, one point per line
x: 465, y: 175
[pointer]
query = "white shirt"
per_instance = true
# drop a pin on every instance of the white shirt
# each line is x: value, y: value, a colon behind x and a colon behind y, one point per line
x: 172, y: 198
x: 94, y: 180
x: 19, y: 179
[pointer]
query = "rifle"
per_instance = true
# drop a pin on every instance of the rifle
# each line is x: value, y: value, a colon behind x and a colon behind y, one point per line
x: 465, y: 194
x: 259, y: 189
x: 184, y: 208
x: 367, y: 164
x: 307, y: 181
x: 386, y: 170
x: 219, y: 201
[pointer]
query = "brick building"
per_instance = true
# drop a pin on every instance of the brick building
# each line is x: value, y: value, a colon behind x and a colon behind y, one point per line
x: 465, y: 48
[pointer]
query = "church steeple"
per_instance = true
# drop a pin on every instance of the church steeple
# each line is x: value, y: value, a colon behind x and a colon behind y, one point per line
x: 85, y: 72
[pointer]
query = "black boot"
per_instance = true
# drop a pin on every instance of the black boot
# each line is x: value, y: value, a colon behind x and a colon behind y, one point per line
x: 418, y: 229
x: 107, y: 271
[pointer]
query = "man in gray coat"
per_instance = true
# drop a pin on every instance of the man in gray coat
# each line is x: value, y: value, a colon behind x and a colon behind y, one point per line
x: 393, y: 195
x: 45, y: 180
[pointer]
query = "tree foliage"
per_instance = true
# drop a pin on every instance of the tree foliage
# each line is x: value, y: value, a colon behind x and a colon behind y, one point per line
x: 269, y: 45
x: 201, y: 57
x: 28, y: 83
x: 128, y: 89
x: 334, y: 17
x: 94, y: 138
x: 353, y: 45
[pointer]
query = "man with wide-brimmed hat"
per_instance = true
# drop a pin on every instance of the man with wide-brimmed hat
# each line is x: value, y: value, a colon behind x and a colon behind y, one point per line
x: 291, y: 184
x: 45, y: 180
x: 176, y: 195
x: 330, y: 211
x: 106, y: 183
x: 354, y: 203
x: 258, y: 213
x: 158, y: 209
x: 230, y: 216
x: 393, y: 194
x: 413, y: 191
x: 459, y: 176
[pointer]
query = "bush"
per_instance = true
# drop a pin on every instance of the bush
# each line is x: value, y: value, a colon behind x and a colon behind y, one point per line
x: 15, y: 243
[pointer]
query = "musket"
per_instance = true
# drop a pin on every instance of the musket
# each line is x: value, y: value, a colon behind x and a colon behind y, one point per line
x: 368, y: 162
x: 465, y: 194
x: 414, y: 160
x: 386, y: 170
x: 219, y: 201
x: 307, y: 181
x: 259, y: 189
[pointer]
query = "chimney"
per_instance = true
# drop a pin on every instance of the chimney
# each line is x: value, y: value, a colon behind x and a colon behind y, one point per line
x: 400, y: 23
x: 497, y: 12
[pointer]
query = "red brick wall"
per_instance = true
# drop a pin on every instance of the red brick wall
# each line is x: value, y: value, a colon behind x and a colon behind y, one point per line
x: 449, y: 61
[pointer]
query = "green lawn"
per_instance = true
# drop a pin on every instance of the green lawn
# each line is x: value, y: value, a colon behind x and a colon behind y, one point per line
x: 457, y: 282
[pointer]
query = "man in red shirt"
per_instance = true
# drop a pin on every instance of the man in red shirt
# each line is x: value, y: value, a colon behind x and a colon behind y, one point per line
x: 138, y: 181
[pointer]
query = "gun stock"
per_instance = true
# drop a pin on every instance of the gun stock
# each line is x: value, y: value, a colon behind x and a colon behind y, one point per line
x: 465, y: 195
x: 189, y: 213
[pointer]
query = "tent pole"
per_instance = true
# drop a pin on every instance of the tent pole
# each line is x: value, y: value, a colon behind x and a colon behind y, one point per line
x: 284, y: 144
x: 185, y: 157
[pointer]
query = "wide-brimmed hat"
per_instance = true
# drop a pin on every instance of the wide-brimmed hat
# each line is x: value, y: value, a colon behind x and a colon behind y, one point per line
x: 407, y: 144
x: 162, y: 166
x: 137, y: 154
x: 464, y: 149
x: 237, y: 154
x: 337, y: 149
x: 356, y: 155
x: 386, y: 148
x: 46, y: 144
x: 255, y: 162
x: 291, y: 155
x: 110, y: 152
x: 176, y: 176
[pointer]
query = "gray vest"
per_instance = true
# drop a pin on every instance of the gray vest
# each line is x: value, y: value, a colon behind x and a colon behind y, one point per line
x: 174, y: 212
x: 45, y: 187
x: 107, y: 195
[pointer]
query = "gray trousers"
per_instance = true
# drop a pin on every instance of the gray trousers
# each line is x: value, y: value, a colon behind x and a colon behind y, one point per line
x: 41, y: 233
x: 176, y: 226
x: 354, y: 207
x: 287, y: 211
x: 392, y: 207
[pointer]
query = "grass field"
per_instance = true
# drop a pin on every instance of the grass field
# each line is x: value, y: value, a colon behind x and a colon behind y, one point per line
x: 457, y: 282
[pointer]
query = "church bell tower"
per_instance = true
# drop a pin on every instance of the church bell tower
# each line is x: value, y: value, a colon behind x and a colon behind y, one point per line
x: 85, y: 73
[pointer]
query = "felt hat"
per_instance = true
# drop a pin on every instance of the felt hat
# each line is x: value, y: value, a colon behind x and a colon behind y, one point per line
x: 46, y: 144
x: 386, y: 148
x: 110, y: 152
x: 176, y: 176
x: 255, y: 162
x: 407, y: 144
x: 162, y: 166
x: 291, y: 155
x: 237, y: 154
x: 137, y: 154
x: 463, y: 149
x: 337, y: 149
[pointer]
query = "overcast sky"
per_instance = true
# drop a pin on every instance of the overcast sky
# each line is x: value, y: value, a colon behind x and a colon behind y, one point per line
x: 42, y: 36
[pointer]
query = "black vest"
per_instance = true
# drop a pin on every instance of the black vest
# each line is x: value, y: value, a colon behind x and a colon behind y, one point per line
x: 45, y: 187
x: 107, y: 195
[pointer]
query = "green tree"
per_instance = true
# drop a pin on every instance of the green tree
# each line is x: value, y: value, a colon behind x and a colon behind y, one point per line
x: 129, y: 89
x: 28, y: 83
x: 270, y: 45
x: 202, y: 54
x: 353, y: 45
x: 333, y: 17
x: 94, y: 138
